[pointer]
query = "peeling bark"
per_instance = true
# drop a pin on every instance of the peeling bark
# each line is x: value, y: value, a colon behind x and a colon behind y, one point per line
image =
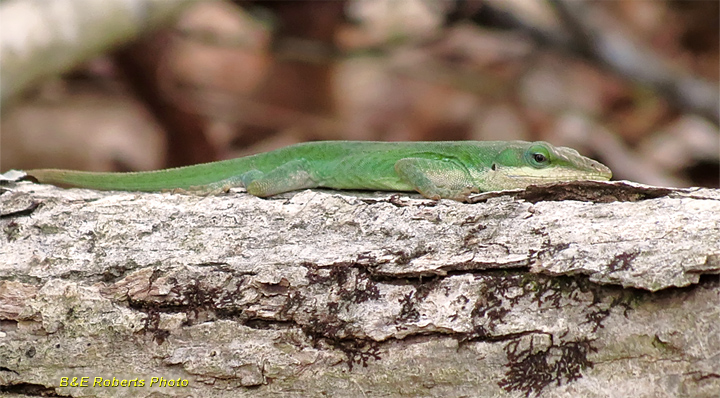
x: 585, y: 289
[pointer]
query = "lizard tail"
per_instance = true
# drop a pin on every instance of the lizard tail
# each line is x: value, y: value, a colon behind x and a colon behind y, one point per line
x: 136, y: 181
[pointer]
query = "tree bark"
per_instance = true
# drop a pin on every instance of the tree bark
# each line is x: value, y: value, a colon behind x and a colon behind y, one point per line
x: 585, y: 289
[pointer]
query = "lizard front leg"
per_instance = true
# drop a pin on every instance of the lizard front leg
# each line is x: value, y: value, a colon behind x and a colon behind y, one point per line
x: 436, y: 179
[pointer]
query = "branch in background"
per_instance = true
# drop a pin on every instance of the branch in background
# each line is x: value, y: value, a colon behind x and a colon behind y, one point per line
x: 628, y: 58
x: 41, y: 38
x: 595, y: 36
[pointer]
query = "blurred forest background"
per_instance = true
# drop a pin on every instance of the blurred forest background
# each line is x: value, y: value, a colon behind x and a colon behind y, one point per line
x: 128, y: 85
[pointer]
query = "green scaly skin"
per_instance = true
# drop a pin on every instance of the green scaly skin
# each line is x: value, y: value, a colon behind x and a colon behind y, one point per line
x: 452, y: 169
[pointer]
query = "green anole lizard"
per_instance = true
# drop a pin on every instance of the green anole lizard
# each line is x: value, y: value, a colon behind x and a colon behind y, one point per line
x: 451, y: 169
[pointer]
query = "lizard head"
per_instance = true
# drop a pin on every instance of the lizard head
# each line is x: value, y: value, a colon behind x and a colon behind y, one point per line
x: 526, y: 163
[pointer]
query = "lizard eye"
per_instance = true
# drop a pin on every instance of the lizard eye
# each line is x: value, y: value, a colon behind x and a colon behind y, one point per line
x: 538, y: 156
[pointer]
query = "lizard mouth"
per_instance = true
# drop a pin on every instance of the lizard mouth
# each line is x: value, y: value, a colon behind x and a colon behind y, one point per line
x: 562, y: 177
x: 596, y: 172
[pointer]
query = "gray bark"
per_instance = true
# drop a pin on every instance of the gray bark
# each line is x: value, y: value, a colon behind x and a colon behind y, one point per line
x: 586, y: 289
